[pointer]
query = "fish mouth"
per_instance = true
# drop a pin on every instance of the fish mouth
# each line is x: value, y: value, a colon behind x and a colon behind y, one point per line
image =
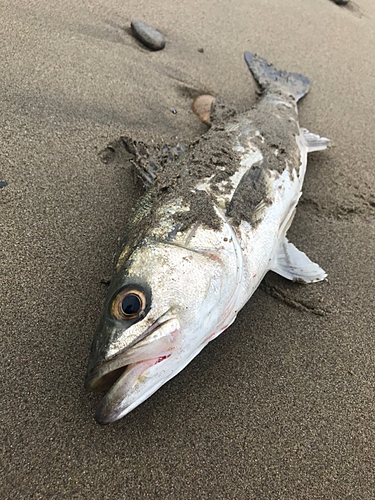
x: 121, y: 376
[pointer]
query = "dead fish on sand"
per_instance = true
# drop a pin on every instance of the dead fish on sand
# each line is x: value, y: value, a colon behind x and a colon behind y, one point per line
x: 205, y: 234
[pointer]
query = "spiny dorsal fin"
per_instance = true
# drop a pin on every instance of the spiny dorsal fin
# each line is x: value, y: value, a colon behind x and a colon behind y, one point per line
x: 149, y: 159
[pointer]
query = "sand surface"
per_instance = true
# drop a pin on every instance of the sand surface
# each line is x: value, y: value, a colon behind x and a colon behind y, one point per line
x: 281, y: 406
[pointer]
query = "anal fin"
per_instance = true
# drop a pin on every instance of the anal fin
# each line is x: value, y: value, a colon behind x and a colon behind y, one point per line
x: 314, y: 142
x: 294, y: 265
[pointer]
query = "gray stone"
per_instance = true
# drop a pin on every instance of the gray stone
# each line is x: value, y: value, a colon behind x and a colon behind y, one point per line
x: 341, y: 2
x: 149, y: 36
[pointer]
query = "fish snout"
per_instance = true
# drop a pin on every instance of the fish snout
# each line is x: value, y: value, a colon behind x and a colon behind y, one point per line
x: 156, y: 342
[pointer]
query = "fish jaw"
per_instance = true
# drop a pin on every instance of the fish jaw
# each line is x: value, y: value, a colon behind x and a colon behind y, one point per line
x: 140, y: 380
x: 123, y: 375
x: 127, y: 392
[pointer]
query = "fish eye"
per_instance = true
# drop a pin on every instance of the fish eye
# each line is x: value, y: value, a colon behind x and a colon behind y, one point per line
x: 128, y: 304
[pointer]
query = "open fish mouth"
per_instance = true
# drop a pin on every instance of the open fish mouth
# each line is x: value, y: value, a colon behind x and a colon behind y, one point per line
x: 125, y: 375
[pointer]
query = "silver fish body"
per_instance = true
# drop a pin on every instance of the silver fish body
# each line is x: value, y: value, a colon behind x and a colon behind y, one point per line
x: 206, y: 233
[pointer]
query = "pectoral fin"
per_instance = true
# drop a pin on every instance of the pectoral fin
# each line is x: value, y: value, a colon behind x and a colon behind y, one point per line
x: 294, y: 265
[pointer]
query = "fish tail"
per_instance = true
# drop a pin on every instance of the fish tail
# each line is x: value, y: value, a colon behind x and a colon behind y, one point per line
x: 267, y: 76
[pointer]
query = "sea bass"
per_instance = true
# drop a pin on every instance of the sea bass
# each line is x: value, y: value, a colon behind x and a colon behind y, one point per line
x: 209, y: 228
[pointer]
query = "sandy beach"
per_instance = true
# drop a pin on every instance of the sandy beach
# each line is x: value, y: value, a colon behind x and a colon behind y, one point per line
x: 281, y: 406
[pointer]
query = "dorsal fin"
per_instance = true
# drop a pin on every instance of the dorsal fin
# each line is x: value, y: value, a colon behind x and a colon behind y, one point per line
x: 149, y: 159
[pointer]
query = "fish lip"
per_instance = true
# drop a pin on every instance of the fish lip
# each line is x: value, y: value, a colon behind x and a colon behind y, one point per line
x: 107, y: 413
x: 93, y: 379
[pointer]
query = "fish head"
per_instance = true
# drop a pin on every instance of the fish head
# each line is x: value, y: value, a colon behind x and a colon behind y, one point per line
x: 162, y: 305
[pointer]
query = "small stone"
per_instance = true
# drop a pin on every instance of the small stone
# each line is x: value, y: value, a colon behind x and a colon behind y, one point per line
x: 341, y: 2
x: 201, y: 51
x: 202, y: 107
x: 150, y: 37
x: 3, y: 184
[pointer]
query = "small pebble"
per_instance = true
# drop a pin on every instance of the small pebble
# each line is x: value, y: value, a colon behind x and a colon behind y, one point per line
x: 174, y: 111
x: 341, y: 2
x: 202, y: 107
x: 3, y: 184
x: 150, y: 37
x: 201, y: 50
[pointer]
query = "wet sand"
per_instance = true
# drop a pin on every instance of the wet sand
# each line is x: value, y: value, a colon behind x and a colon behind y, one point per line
x: 281, y: 406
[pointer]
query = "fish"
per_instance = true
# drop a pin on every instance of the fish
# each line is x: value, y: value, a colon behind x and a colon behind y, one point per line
x: 211, y: 224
